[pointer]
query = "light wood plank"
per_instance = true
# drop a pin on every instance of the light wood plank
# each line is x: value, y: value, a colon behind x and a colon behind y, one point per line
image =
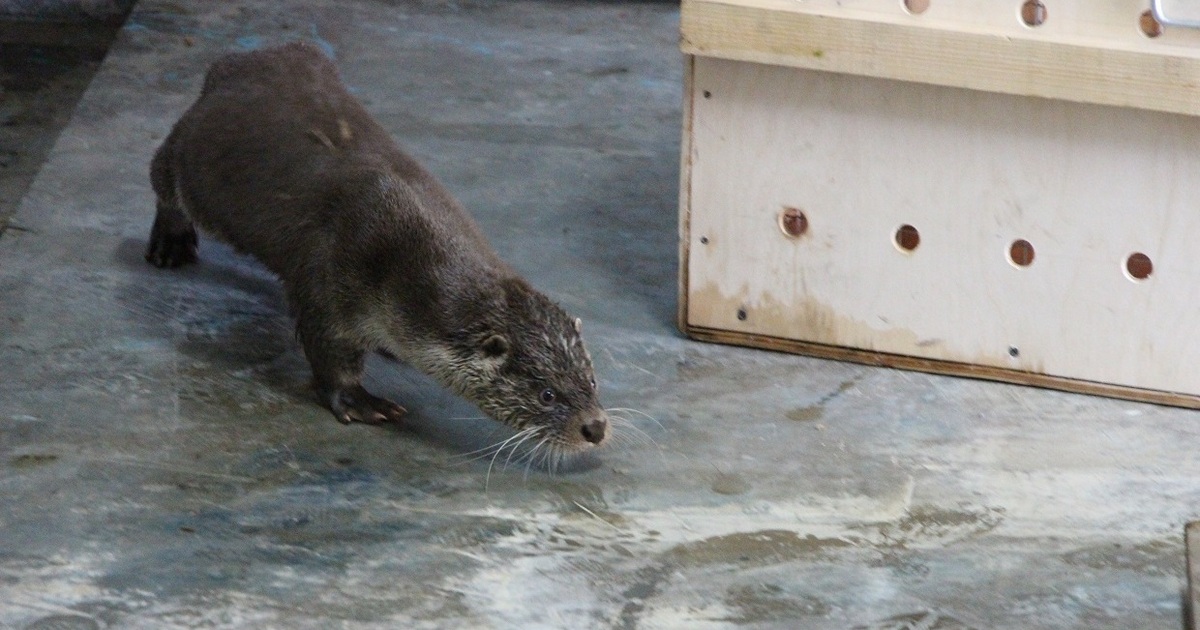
x: 1086, y: 52
x: 948, y: 368
x: 1086, y: 184
x: 685, y: 189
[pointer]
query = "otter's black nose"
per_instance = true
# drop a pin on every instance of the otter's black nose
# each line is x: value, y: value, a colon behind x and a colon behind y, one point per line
x: 595, y: 430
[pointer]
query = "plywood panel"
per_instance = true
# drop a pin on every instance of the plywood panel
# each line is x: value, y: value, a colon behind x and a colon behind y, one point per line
x: 1086, y: 185
x: 1086, y: 50
x: 952, y: 368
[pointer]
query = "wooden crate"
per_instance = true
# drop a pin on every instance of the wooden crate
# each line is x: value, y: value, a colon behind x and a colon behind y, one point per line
x: 953, y: 191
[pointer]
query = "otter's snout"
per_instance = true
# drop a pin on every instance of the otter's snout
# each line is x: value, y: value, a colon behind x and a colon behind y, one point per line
x: 595, y: 431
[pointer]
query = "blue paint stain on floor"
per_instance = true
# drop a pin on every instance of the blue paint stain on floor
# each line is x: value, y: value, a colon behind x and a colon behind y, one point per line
x: 249, y: 42
x: 478, y: 48
x: 321, y: 42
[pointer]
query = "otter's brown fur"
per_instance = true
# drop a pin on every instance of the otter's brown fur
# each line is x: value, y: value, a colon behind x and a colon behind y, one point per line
x: 277, y: 158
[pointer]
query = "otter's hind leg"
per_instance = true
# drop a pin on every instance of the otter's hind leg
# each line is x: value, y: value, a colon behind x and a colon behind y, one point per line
x: 173, y: 237
x: 337, y: 368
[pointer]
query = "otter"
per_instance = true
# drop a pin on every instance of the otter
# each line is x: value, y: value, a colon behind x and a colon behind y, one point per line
x: 279, y: 160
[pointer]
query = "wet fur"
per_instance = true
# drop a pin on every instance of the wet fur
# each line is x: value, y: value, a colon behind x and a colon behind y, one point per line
x: 279, y: 160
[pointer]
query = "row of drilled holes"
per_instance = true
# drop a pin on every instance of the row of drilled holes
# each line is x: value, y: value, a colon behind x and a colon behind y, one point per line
x: 1033, y: 13
x: 1138, y: 266
x: 907, y: 238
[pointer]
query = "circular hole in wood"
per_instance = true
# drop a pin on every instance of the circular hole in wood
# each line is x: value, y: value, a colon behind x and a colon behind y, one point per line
x: 707, y: 94
x: 793, y: 222
x: 1150, y: 26
x: 907, y: 238
x: 704, y: 240
x: 741, y: 314
x: 916, y: 7
x: 1021, y: 253
x: 1033, y: 12
x: 1138, y: 266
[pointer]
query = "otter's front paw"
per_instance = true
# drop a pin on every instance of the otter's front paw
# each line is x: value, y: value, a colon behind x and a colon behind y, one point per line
x: 355, y: 404
x: 171, y: 250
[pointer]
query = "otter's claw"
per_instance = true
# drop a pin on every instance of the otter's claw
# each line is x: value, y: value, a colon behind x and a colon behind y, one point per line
x: 171, y: 250
x: 355, y: 404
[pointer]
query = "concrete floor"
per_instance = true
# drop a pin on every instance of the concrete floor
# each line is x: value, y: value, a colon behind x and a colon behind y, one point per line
x: 40, y: 84
x: 163, y: 465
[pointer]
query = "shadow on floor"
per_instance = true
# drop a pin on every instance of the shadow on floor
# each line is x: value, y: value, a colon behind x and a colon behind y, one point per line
x: 45, y: 67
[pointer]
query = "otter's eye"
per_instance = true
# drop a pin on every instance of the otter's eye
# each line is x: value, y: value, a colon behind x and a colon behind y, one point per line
x: 593, y: 383
x: 547, y: 396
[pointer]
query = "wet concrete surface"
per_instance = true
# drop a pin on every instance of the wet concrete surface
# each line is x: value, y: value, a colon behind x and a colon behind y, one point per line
x: 40, y: 84
x: 164, y: 464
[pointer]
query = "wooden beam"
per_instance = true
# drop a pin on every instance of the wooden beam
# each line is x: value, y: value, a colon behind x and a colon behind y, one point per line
x: 951, y: 368
x: 1134, y: 72
x: 685, y: 189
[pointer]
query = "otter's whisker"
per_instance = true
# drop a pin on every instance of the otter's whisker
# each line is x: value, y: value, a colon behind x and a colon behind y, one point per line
x: 594, y: 515
x: 471, y: 456
x: 551, y: 457
x: 557, y: 455
x: 625, y: 438
x: 478, y: 453
x: 629, y: 364
x: 625, y: 429
x: 488, y: 478
x: 533, y: 453
x: 513, y: 451
x: 630, y: 432
x: 476, y: 458
x: 640, y: 413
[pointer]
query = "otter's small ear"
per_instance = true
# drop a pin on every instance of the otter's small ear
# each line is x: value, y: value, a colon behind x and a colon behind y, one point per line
x: 578, y: 325
x: 495, y: 346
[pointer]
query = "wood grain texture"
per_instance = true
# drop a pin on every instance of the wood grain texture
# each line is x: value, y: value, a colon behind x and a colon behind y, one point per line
x: 1089, y: 52
x: 685, y: 188
x: 948, y: 368
x: 1085, y: 185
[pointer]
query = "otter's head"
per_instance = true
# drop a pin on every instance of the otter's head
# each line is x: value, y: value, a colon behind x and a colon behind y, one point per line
x: 529, y: 370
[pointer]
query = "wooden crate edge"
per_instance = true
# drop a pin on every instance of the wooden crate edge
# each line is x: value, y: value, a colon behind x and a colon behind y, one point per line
x: 685, y: 191
x: 947, y: 368
x: 1080, y: 71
